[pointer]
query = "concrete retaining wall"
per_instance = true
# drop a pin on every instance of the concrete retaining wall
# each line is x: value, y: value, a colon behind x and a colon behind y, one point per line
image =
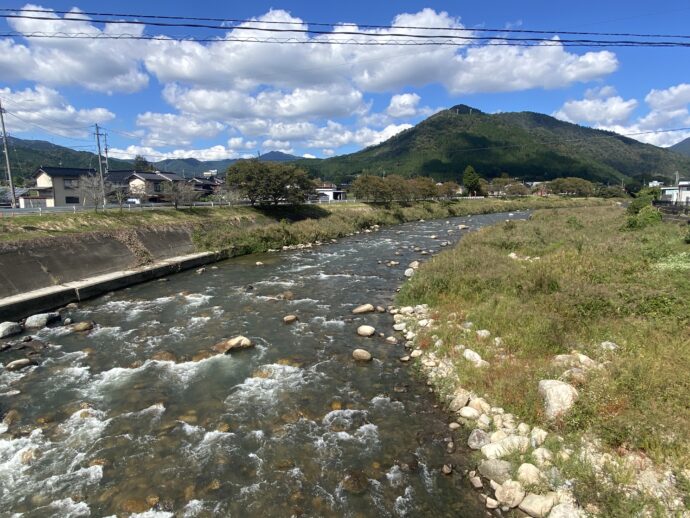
x: 54, y: 261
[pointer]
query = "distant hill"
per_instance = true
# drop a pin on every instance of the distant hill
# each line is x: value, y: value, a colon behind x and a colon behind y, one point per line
x: 683, y: 147
x: 527, y: 145
x: 27, y: 155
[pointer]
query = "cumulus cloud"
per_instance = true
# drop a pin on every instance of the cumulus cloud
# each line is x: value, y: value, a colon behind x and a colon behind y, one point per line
x: 603, y: 109
x: 45, y: 108
x: 168, y: 129
x: 335, y: 135
x: 403, y: 105
x: 218, y: 152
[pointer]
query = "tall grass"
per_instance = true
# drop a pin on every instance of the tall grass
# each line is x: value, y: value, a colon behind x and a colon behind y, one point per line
x: 594, y: 280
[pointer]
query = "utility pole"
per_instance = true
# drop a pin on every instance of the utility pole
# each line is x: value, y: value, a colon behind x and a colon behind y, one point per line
x: 107, y: 165
x: 7, y: 157
x: 100, y: 164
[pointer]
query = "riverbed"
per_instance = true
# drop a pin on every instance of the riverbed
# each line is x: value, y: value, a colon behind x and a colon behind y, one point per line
x: 136, y: 416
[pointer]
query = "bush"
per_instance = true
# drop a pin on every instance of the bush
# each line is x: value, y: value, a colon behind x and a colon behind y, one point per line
x: 687, y: 236
x: 638, y: 203
x: 646, y: 216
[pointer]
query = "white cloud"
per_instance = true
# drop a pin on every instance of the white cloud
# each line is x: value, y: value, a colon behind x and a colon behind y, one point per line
x: 403, y: 105
x: 277, y: 145
x: 167, y: 129
x: 100, y: 65
x: 601, y: 108
x: 328, y: 152
x: 335, y: 135
x: 45, y: 107
x: 218, y: 152
x: 308, y: 155
x: 238, y: 143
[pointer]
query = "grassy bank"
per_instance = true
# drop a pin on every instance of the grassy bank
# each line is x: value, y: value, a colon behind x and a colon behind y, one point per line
x: 333, y: 221
x: 581, y: 277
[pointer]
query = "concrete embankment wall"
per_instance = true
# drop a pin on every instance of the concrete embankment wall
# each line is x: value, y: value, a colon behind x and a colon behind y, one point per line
x: 42, y: 274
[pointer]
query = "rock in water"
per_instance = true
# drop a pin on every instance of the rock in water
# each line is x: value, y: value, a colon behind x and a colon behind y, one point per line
x: 366, y: 331
x: 239, y: 342
x: 82, y: 326
x: 164, y: 356
x: 290, y: 319
x: 361, y: 355
x: 409, y: 272
x: 9, y: 329
x: 364, y: 308
x: 40, y: 320
x: 18, y: 364
x: 559, y: 397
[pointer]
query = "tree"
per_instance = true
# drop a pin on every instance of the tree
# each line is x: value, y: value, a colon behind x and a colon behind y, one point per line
x: 245, y: 177
x: 179, y: 193
x: 142, y: 165
x: 269, y: 182
x: 448, y: 190
x: 571, y: 186
x: 91, y: 190
x: 372, y: 188
x: 471, y: 181
x: 399, y: 187
x: 516, y: 189
x: 424, y: 188
x: 117, y: 193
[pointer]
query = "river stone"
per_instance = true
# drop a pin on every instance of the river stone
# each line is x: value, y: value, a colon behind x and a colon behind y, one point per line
x: 529, y: 474
x: 164, y: 356
x: 238, y: 342
x: 447, y: 469
x: 469, y: 413
x: 491, y: 503
x: 479, y: 404
x: 392, y: 340
x: 380, y: 309
x: 289, y: 319
x: 477, y: 439
x: 364, y: 308
x: 510, y: 493
x: 476, y: 482
x: 558, y: 396
x: 565, y: 510
x: 9, y: 329
x: 495, y: 469
x: 361, y: 355
x: 414, y: 265
x: 19, y: 364
x: 366, y: 331
x: 473, y: 357
x: 416, y: 353
x: 483, y: 333
x: 505, y: 447
x: 542, y: 456
x: 355, y: 482
x: 537, y: 437
x: 400, y: 326
x: 40, y: 320
x: 82, y: 326
x: 460, y: 399
x: 537, y: 506
x: 409, y: 272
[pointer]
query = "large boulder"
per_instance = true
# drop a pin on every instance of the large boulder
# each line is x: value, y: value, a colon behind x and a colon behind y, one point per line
x: 477, y: 439
x: 40, y: 320
x: 364, y: 308
x: 233, y: 344
x: 559, y: 397
x: 505, y: 447
x: 529, y: 474
x: 510, y: 493
x: 566, y: 510
x: 9, y: 329
x: 495, y: 469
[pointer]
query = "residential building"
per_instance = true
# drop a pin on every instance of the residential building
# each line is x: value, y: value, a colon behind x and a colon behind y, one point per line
x: 677, y: 194
x: 55, y: 187
x: 327, y: 191
x: 150, y: 185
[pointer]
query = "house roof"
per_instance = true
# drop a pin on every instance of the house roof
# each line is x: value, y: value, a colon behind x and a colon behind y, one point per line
x: 6, y: 197
x: 172, y: 177
x: 119, y: 176
x: 158, y: 176
x: 67, y: 172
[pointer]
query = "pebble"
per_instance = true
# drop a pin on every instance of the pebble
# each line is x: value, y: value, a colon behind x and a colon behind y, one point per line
x: 364, y: 308
x: 366, y: 331
x: 416, y: 353
x: 289, y: 319
x: 405, y: 359
x: 392, y: 340
x: 447, y: 469
x: 476, y: 482
x: 469, y: 413
x: 361, y: 355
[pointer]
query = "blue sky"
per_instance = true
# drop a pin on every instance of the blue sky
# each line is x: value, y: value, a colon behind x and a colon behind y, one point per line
x: 221, y: 100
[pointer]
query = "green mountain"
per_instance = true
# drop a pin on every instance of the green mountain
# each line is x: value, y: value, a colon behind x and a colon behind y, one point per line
x: 28, y: 155
x: 528, y: 145
x: 192, y: 166
x: 683, y: 147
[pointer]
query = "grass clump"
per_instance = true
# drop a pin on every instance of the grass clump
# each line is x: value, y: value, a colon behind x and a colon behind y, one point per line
x: 577, y: 279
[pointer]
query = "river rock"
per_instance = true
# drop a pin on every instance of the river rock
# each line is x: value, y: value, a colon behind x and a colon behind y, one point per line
x: 559, y: 397
x: 19, y: 364
x: 409, y: 272
x: 537, y: 506
x: 460, y: 399
x: 238, y: 342
x: 392, y: 340
x: 474, y: 358
x: 399, y: 327
x: 476, y: 482
x: 609, y: 346
x: 566, y: 510
x: 537, y: 437
x: 82, y: 326
x: 416, y: 353
x: 495, y: 469
x: 542, y: 456
x: 380, y: 309
x: 447, y: 469
x: 366, y: 331
x: 529, y: 474
x: 505, y: 447
x: 477, y: 439
x: 9, y: 329
x: 483, y: 333
x: 164, y: 356
x: 290, y: 319
x: 414, y: 265
x: 491, y: 503
x: 40, y: 320
x: 361, y: 355
x: 355, y: 482
x: 510, y: 493
x: 479, y: 404
x: 364, y: 308
x: 469, y: 413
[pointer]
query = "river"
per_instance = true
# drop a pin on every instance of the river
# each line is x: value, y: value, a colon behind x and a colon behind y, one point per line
x: 291, y: 427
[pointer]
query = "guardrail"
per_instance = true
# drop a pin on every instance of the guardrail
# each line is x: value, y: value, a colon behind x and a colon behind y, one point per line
x: 10, y: 212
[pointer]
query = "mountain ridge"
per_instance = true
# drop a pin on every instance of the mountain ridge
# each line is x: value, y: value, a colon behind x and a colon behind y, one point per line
x: 682, y: 147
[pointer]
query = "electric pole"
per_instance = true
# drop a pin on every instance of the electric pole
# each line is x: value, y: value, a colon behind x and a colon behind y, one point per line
x: 7, y: 157
x: 100, y: 164
x: 107, y: 165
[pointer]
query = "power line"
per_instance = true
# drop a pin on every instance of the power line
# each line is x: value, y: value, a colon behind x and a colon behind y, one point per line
x: 317, y: 24
x: 12, y: 114
x: 531, y: 42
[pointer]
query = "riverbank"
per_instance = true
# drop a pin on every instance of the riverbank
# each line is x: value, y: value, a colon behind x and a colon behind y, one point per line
x: 576, y: 297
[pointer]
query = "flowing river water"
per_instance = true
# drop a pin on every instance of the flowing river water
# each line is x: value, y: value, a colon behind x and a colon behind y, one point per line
x: 291, y: 427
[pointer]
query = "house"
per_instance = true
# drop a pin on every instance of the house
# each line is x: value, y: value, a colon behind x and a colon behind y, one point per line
x: 677, y: 194
x: 327, y: 191
x: 149, y: 185
x: 6, y: 196
x: 55, y: 187
x: 206, y: 185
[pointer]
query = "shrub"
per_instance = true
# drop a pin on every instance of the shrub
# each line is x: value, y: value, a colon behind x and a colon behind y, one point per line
x: 638, y: 203
x: 647, y: 215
